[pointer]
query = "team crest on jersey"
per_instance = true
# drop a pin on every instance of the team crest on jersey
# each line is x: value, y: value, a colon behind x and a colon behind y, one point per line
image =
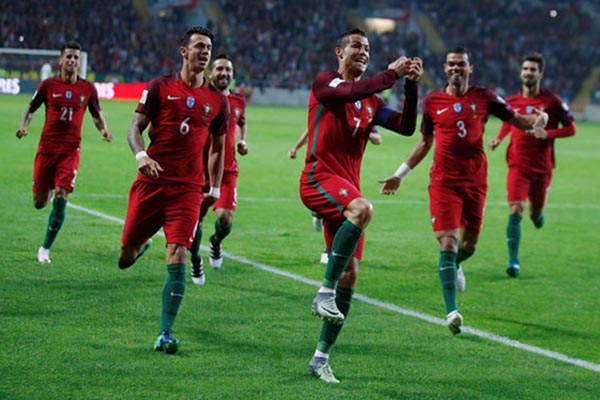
x: 190, y: 102
x: 81, y: 98
x: 68, y: 94
x: 457, y: 108
x: 236, y: 112
x: 370, y: 110
x: 207, y: 109
x: 343, y: 192
x: 528, y: 110
x: 358, y: 105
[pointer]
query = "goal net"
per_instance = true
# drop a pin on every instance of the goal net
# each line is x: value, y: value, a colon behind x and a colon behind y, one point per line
x: 23, y: 69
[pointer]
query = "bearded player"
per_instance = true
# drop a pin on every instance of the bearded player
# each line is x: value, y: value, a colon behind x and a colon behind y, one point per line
x: 221, y: 76
x: 530, y: 153
x: 457, y: 114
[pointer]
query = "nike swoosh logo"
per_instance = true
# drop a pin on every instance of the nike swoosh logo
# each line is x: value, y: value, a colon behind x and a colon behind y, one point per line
x: 169, y: 97
x: 441, y: 111
x: 445, y: 268
x: 56, y: 95
x: 173, y: 294
x: 330, y: 311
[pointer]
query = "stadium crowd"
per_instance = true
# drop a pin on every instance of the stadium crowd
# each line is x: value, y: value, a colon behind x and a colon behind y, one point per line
x: 284, y: 44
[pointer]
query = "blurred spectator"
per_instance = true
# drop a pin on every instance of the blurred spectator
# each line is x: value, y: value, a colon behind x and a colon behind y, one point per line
x: 284, y: 44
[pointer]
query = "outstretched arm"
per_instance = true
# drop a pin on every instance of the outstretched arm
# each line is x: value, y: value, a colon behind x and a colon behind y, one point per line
x: 527, y: 122
x: 504, y: 131
x: 329, y: 86
x: 417, y: 154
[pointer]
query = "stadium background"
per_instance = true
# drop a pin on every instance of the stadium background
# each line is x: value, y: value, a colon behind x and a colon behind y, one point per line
x: 279, y: 46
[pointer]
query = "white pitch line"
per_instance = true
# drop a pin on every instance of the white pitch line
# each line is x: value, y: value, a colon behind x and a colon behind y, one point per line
x: 593, y: 206
x: 387, y: 306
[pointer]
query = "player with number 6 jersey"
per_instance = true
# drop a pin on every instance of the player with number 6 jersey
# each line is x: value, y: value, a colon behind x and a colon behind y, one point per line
x: 182, y: 119
x: 184, y: 109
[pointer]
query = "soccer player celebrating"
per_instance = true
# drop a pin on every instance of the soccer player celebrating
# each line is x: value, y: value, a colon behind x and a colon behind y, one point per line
x: 184, y: 111
x: 221, y: 75
x: 342, y: 110
x: 57, y: 160
x: 317, y: 222
x: 530, y: 154
x: 457, y: 113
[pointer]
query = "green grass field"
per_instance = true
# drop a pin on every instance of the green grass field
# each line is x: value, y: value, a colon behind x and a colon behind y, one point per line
x: 80, y: 328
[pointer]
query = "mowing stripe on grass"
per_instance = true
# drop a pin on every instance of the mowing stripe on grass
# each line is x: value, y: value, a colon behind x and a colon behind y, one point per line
x: 385, y: 305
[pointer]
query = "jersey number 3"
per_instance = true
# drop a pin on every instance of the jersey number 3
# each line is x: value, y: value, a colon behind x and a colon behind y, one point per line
x: 462, y: 130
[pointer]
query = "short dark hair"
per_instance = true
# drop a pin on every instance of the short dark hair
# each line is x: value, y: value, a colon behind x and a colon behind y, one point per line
x: 193, y: 30
x: 343, y: 38
x: 534, y: 57
x: 221, y: 56
x: 71, y: 44
x: 461, y: 50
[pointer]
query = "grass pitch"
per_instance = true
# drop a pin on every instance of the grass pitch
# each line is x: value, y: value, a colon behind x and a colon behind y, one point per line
x: 79, y: 328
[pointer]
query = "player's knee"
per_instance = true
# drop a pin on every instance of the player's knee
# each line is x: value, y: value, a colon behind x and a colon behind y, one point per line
x: 448, y: 243
x: 360, y: 212
x: 176, y: 253
x: 225, y: 217
x: 517, y: 208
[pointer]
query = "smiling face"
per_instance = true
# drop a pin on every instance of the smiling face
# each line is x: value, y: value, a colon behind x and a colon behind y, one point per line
x: 353, y: 57
x: 531, y: 73
x: 458, y: 69
x: 196, y: 55
x: 221, y: 73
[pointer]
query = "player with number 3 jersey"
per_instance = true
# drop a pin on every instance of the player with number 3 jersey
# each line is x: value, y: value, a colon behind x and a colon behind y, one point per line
x: 455, y: 116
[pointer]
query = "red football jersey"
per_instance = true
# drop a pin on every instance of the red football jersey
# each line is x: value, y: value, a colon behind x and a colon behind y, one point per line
x: 65, y: 107
x: 181, y: 117
x: 237, y: 117
x: 340, y: 121
x: 458, y: 124
x: 524, y: 150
